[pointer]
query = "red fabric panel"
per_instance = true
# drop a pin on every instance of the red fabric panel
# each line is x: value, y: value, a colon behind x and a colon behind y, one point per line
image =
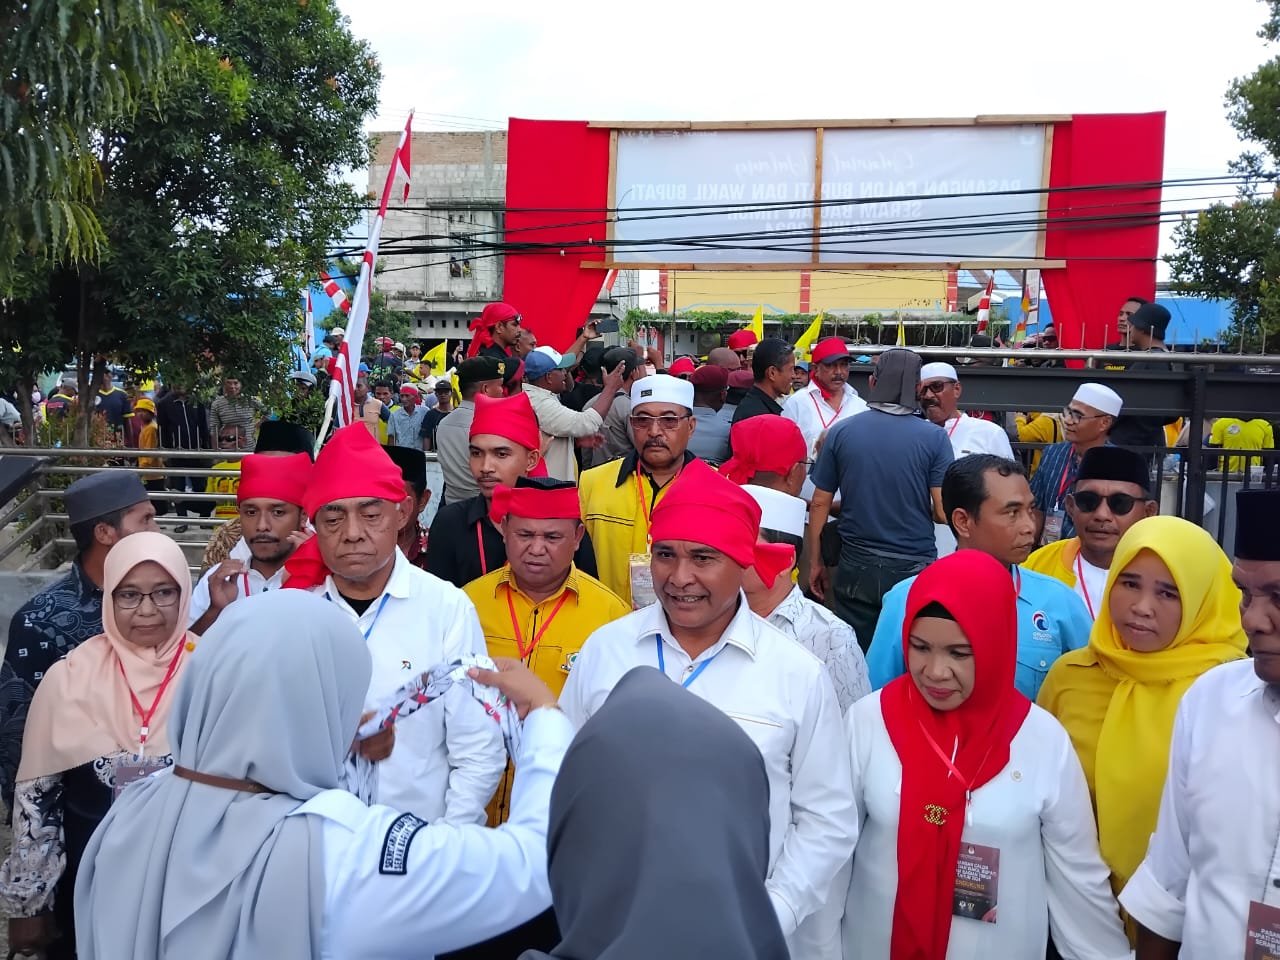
x: 1102, y: 149
x: 565, y: 165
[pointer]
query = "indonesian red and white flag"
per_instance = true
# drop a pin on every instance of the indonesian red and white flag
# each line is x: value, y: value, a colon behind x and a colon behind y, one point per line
x: 984, y: 305
x: 348, y: 359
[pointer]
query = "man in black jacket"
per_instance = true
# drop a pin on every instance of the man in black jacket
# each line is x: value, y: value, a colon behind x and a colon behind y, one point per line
x: 184, y: 425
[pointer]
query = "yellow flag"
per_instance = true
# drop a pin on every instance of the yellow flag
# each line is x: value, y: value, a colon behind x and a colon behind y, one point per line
x: 804, y: 346
x: 902, y: 334
x: 437, y: 358
x: 756, y: 325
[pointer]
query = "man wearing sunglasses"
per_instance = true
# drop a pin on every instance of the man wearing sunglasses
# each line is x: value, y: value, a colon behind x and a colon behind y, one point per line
x: 1111, y: 493
x: 495, y: 332
x: 1086, y: 421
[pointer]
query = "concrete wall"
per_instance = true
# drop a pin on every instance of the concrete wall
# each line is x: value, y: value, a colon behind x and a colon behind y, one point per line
x: 15, y: 590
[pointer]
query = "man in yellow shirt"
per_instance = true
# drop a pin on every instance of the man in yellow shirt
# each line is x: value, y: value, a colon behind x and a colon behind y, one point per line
x: 538, y: 607
x: 1233, y: 433
x: 618, y: 497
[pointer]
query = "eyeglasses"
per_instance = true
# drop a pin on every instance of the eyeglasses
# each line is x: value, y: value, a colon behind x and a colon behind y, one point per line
x: 1120, y: 504
x: 936, y: 386
x: 160, y: 596
x: 1072, y: 415
x: 666, y: 424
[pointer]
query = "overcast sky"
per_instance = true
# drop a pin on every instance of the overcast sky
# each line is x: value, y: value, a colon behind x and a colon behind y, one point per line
x: 473, y: 65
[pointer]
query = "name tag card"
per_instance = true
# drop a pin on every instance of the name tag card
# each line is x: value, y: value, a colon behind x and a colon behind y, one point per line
x: 129, y: 771
x: 1052, y: 527
x: 1262, y: 938
x: 642, y: 592
x: 977, y: 882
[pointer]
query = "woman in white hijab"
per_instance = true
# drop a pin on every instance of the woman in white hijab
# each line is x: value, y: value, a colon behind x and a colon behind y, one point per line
x: 247, y: 849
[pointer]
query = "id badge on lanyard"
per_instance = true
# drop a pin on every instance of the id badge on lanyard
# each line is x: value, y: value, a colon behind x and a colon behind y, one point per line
x: 1262, y: 935
x: 130, y: 771
x: 1052, y: 527
x: 977, y: 882
x: 642, y: 592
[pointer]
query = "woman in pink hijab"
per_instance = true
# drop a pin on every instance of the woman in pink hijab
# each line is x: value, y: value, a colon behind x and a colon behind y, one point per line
x: 97, y: 723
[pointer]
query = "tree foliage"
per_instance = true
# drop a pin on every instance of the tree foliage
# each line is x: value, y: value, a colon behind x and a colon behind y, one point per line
x: 1231, y: 251
x: 70, y: 68
x: 220, y: 197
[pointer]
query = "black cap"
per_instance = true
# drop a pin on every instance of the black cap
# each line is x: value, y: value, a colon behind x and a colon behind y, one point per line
x: 616, y: 355
x: 412, y: 464
x: 480, y: 369
x: 443, y: 386
x: 281, y: 436
x: 101, y: 493
x: 592, y: 360
x: 1115, y: 464
x: 1151, y: 318
x: 1258, y: 525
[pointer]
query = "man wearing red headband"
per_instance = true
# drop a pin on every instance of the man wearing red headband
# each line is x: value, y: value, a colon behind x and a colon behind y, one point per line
x: 272, y: 526
x: 828, y: 398
x: 449, y: 757
x: 465, y: 542
x: 495, y: 332
x: 768, y: 451
x: 702, y: 634
x: 743, y: 343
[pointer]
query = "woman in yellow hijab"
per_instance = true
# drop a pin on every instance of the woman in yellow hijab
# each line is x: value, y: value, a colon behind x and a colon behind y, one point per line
x: 1170, y: 613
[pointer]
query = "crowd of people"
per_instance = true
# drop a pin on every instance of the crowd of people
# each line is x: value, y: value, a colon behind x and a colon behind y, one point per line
x: 673, y: 671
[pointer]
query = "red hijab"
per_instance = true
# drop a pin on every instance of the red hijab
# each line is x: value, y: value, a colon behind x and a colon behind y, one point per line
x: 978, y: 592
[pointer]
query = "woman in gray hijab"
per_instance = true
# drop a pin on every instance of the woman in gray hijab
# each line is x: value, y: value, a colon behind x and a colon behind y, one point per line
x: 659, y: 841
x: 247, y: 849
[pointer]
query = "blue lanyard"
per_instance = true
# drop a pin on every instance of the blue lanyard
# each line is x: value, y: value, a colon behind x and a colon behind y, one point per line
x: 382, y: 603
x: 662, y: 664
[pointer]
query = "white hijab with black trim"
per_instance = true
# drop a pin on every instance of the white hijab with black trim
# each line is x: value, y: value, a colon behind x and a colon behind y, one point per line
x: 180, y: 869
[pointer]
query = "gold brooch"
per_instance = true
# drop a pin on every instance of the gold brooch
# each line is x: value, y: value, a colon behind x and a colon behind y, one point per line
x: 935, y: 814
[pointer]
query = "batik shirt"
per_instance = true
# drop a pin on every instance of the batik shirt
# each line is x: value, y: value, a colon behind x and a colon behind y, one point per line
x: 46, y: 628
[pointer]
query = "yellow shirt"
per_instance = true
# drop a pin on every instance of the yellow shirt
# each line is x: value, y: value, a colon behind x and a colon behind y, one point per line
x: 616, y: 506
x: 568, y: 616
x: 149, y: 439
x: 225, y: 485
x: 1038, y: 428
x: 1233, y: 434
x: 1056, y: 560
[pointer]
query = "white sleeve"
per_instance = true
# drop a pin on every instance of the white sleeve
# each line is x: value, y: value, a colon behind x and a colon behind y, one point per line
x: 1156, y: 895
x: 557, y: 420
x: 1083, y: 916
x: 200, y: 601
x: 576, y: 691
x: 1000, y: 443
x: 824, y: 825
x: 439, y: 887
x: 473, y: 742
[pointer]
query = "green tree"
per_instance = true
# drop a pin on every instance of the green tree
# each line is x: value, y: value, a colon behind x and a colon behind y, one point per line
x: 68, y: 69
x: 1230, y: 251
x: 221, y: 198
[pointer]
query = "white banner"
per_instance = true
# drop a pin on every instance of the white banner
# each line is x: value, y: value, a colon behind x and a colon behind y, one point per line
x: 747, y: 195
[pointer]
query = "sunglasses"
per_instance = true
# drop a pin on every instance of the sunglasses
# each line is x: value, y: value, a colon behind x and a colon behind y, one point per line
x: 936, y: 386
x: 1120, y: 504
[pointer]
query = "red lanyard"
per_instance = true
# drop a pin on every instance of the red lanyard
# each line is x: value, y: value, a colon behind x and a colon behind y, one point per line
x: 144, y: 730
x: 1066, y: 473
x: 1084, y: 586
x: 954, y: 770
x: 515, y: 622
x: 246, y: 584
x: 954, y: 425
x: 644, y: 507
x: 821, y: 419
x: 484, y: 566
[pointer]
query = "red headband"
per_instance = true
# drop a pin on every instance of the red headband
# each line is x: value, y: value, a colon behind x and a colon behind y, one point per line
x: 511, y: 418
x: 768, y: 442
x: 742, y: 339
x: 482, y: 326
x: 264, y: 477
x: 535, y: 503
x: 704, y: 507
x: 682, y: 366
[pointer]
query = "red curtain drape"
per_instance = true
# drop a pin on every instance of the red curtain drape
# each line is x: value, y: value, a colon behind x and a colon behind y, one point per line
x: 1114, y: 258
x: 557, y: 191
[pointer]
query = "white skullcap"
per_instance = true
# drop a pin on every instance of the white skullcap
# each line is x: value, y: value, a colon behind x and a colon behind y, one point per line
x: 936, y: 371
x: 661, y: 388
x: 1103, y: 399
x: 778, y: 511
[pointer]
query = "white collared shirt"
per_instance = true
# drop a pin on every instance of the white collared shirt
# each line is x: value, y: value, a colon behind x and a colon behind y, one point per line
x: 969, y: 435
x: 251, y: 582
x: 829, y: 639
x: 779, y: 694
x: 1090, y: 585
x: 1036, y: 812
x: 1216, y: 847
x: 814, y: 416
x: 437, y: 886
x: 449, y: 756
